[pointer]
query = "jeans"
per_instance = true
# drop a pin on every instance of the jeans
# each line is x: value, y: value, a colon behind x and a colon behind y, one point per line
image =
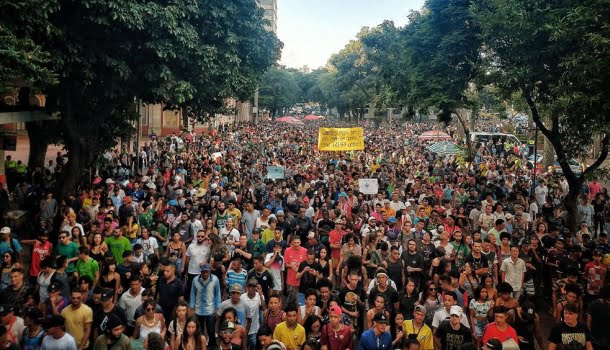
x: 252, y: 341
x: 209, y: 323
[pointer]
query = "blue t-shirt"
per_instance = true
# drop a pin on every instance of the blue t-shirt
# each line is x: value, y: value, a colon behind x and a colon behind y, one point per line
x: 369, y: 341
x: 6, y: 246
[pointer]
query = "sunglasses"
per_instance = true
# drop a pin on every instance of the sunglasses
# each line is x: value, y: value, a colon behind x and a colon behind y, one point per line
x: 432, y: 289
x: 150, y: 309
x: 227, y: 332
x: 62, y: 237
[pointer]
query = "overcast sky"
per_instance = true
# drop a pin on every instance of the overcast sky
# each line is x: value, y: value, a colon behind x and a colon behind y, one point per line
x: 312, y: 30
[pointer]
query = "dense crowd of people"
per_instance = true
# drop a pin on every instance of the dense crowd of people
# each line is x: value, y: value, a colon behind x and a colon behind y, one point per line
x: 201, y: 249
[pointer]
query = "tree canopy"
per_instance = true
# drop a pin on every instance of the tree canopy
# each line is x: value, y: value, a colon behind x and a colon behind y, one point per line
x: 186, y: 54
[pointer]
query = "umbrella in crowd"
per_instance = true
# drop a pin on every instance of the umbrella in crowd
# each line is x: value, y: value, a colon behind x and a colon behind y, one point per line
x: 434, y: 135
x: 311, y: 117
x: 444, y: 147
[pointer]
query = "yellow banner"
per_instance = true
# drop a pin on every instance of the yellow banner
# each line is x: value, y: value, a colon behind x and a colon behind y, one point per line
x: 341, y: 139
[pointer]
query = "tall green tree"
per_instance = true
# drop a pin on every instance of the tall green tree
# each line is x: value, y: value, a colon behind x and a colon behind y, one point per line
x: 442, y: 58
x: 186, y: 54
x: 557, y: 56
x: 279, y: 90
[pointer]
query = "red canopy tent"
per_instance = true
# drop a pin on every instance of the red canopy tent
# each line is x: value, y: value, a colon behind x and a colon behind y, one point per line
x: 286, y: 119
x: 434, y: 135
x: 311, y: 117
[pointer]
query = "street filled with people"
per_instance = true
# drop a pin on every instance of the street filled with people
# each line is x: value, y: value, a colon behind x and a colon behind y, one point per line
x: 192, y: 243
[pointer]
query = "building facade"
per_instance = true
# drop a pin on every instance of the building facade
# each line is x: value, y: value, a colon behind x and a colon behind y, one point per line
x: 270, y: 7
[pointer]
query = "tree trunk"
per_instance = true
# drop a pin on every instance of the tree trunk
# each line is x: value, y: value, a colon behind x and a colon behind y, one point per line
x: 470, y: 150
x: 38, y: 135
x: 78, y: 156
x: 571, y: 203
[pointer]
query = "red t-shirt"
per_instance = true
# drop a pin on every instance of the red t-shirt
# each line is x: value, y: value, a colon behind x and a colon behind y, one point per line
x: 298, y: 257
x: 492, y: 331
x: 39, y: 253
x: 335, y: 237
x: 340, y: 340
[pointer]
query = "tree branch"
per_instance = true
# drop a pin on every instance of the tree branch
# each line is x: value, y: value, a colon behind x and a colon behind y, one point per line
x: 602, y: 157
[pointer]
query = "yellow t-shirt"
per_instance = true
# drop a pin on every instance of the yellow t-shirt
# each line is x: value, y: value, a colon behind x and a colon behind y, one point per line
x: 424, y: 336
x: 236, y: 213
x: 292, y: 338
x: 76, y: 319
x: 267, y: 235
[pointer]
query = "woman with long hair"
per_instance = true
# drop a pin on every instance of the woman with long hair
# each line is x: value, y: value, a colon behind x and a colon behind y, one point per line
x: 396, y: 331
x: 192, y: 337
x: 98, y: 248
x: 430, y: 298
x: 326, y: 263
x: 468, y: 279
x: 110, y: 278
x: 407, y: 299
x: 313, y: 328
x: 176, y: 252
x: 149, y: 322
x: 178, y: 324
x: 219, y: 248
x: 209, y: 227
x: 480, y: 307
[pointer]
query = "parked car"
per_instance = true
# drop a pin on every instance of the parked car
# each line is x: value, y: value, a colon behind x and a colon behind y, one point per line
x: 575, y: 165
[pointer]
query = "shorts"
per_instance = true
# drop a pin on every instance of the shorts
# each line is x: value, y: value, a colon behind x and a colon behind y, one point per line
x: 479, y: 327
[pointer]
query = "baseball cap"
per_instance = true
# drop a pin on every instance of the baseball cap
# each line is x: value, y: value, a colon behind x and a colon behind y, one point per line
x: 343, y: 194
x: 269, y: 207
x: 380, y: 317
x: 339, y: 221
x: 279, y: 213
x: 107, y: 294
x: 372, y: 218
x: 455, y: 310
x: 205, y: 267
x: 420, y: 308
x: 392, y: 219
x: 113, y: 321
x: 227, y: 325
x: 236, y: 288
x: 440, y: 228
x: 173, y: 202
x: 5, y: 229
x: 335, y: 310
x: 5, y: 309
x: 311, y: 234
x: 253, y: 282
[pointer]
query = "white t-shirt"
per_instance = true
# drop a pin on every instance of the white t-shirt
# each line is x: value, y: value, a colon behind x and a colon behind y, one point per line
x: 228, y: 236
x: 66, y: 342
x: 149, y: 245
x: 448, y: 248
x: 255, y: 305
x: 198, y: 254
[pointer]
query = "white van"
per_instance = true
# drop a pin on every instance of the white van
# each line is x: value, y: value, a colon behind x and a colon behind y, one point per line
x: 485, y: 137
